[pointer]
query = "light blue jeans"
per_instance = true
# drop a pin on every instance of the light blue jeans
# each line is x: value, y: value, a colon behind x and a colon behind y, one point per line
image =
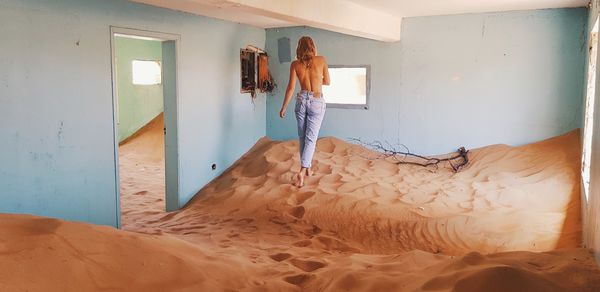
x: 309, y: 114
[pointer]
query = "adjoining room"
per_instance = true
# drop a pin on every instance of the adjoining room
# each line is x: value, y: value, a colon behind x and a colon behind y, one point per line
x: 145, y: 109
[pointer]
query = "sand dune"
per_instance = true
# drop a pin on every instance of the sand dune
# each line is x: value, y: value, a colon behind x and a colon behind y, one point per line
x: 359, y: 224
x: 42, y: 254
x: 509, y: 198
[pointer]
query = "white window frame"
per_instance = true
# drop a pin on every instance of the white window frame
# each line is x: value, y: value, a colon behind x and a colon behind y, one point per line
x: 364, y: 106
x: 588, y: 128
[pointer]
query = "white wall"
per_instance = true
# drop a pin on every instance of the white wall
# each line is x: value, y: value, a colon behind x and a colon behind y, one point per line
x: 591, y: 226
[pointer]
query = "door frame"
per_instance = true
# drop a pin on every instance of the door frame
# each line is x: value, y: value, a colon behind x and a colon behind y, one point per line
x: 171, y: 115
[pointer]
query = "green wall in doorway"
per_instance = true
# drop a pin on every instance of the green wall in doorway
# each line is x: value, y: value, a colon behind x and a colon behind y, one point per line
x: 138, y: 104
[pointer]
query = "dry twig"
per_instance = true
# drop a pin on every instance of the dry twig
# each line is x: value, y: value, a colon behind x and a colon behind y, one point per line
x: 457, y: 161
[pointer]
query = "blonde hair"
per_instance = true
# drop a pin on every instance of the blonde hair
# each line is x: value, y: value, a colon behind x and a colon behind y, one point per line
x: 306, y: 50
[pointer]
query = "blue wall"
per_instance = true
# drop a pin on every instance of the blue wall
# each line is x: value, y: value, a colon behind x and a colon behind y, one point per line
x: 56, y: 112
x: 463, y: 80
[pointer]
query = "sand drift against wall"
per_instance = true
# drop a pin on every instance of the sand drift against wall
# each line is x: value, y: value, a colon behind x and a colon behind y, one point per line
x: 358, y: 224
x: 509, y: 198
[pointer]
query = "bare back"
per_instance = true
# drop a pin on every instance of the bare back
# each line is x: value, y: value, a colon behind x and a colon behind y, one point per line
x: 313, y: 77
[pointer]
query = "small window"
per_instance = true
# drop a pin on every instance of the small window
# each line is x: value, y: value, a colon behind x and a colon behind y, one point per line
x: 349, y: 87
x: 146, y: 72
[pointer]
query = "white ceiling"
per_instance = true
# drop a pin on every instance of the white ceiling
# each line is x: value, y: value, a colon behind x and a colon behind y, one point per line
x: 379, y: 19
x: 409, y: 8
x: 334, y: 15
x: 220, y: 9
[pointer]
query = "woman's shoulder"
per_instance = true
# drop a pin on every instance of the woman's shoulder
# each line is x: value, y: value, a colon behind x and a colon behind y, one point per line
x: 320, y: 59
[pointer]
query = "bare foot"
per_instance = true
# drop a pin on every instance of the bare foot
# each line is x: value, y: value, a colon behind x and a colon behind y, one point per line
x: 299, y: 179
x: 309, y: 172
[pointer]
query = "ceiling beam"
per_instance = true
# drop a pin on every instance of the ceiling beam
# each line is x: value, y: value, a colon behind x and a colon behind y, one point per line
x: 335, y: 15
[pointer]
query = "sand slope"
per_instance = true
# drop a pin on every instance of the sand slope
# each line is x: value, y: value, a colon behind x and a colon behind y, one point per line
x: 42, y: 254
x: 142, y: 172
x: 509, y: 198
x: 359, y: 224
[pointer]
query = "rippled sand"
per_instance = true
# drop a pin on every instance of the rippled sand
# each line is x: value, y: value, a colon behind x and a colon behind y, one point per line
x: 359, y: 224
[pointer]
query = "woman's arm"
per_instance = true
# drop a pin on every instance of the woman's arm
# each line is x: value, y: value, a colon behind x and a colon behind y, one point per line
x: 289, y: 91
x: 326, y: 80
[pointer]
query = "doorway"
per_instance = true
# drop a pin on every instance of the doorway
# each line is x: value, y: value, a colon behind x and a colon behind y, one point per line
x: 144, y: 76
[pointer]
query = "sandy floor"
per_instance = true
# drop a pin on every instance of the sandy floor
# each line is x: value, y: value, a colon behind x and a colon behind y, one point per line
x: 142, y: 173
x: 359, y: 224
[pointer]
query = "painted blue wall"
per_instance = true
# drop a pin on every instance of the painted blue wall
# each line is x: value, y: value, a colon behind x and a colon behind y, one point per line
x: 56, y: 112
x: 463, y: 80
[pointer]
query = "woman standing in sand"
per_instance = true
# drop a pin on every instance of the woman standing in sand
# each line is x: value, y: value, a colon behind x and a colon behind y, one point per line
x: 312, y: 72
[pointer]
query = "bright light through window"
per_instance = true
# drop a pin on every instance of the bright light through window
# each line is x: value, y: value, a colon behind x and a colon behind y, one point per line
x: 146, y: 72
x: 348, y: 86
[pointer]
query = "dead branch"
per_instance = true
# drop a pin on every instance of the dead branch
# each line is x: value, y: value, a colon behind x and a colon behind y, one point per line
x: 457, y: 161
